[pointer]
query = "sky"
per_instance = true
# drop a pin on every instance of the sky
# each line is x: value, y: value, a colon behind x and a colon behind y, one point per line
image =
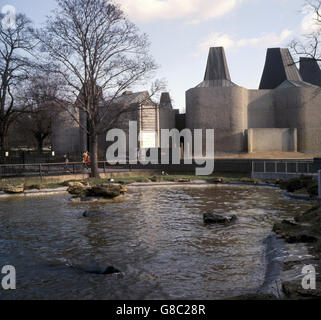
x: 182, y: 31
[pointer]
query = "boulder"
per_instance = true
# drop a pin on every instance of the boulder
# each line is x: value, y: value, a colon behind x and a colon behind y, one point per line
x: 75, y: 184
x: 157, y: 179
x: 35, y: 187
x: 123, y: 189
x: 92, y: 213
x: 104, y: 271
x: 211, y: 218
x: 78, y: 191
x: 94, y: 268
x: 217, y: 180
x: 14, y: 189
x: 144, y: 180
x: 108, y: 191
x: 294, y: 233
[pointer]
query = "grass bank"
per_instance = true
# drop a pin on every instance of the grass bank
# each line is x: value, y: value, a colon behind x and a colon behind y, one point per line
x: 34, y: 183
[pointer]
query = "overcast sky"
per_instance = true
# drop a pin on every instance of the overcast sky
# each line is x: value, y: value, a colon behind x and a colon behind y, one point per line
x: 181, y: 32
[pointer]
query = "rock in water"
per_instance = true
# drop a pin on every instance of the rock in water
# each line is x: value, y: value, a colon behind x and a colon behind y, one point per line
x: 106, y: 271
x: 92, y: 214
x: 111, y: 270
x: 79, y: 191
x: 94, y: 268
x: 211, y: 218
x: 14, y: 189
x: 110, y: 191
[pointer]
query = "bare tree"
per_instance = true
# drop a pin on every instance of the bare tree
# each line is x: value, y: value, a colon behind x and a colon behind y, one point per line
x: 40, y: 105
x: 310, y: 44
x: 98, y: 52
x: 16, y: 44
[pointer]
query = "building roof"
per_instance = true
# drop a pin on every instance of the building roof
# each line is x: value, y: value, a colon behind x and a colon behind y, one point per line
x: 279, y: 67
x: 166, y: 101
x: 128, y: 98
x: 217, y: 73
x: 295, y: 84
x: 310, y: 71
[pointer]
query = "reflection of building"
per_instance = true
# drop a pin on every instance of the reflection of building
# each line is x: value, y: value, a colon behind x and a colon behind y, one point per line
x: 283, y: 115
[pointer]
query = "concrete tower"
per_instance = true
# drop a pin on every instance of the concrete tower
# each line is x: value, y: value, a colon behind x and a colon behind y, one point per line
x: 166, y: 101
x: 217, y: 103
x: 310, y: 71
x: 279, y: 67
x: 217, y: 73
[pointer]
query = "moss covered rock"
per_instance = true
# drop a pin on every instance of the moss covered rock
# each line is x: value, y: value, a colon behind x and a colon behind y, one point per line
x: 157, y: 179
x: 10, y: 189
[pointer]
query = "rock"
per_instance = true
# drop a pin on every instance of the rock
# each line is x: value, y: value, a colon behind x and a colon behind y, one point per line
x: 93, y: 214
x: 111, y: 270
x: 289, y: 223
x: 14, y: 189
x: 144, y: 180
x: 94, y: 268
x: 210, y: 218
x: 294, y: 290
x: 313, y: 215
x: 157, y: 179
x: 247, y: 180
x: 106, y: 271
x: 35, y: 187
x: 75, y: 184
x: 123, y: 189
x: 295, y: 184
x: 108, y: 191
x: 301, y: 238
x: 184, y: 180
x: 294, y: 233
x: 217, y: 180
x: 78, y: 191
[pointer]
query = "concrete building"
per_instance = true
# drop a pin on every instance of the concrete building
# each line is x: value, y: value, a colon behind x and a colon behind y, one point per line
x: 283, y: 115
x: 69, y: 137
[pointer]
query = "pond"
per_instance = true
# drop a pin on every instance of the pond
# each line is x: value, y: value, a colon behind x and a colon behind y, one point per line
x: 155, y: 236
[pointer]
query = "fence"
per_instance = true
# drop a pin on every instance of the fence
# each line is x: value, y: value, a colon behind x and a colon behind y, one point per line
x: 282, y: 169
x: 50, y: 169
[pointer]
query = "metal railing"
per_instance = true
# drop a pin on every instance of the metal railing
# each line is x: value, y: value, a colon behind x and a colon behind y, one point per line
x: 50, y: 169
x: 284, y: 167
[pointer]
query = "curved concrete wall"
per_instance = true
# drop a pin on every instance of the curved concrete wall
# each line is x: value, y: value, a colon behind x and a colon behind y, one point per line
x: 223, y: 109
x: 300, y: 108
x: 261, y: 111
x: 233, y: 110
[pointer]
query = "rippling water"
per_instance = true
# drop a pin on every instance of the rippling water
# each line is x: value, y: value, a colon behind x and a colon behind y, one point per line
x: 156, y: 237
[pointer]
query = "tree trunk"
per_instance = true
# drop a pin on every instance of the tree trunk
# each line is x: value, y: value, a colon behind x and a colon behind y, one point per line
x: 3, y: 140
x: 94, y: 156
x: 40, y: 145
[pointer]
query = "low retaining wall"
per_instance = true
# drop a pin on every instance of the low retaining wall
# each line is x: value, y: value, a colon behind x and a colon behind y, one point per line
x: 278, y: 176
x: 274, y: 139
x: 60, y: 179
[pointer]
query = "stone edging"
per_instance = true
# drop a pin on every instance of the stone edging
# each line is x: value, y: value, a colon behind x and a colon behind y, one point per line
x: 29, y: 193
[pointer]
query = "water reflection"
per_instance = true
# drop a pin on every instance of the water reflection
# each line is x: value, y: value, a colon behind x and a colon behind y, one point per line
x: 156, y: 237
